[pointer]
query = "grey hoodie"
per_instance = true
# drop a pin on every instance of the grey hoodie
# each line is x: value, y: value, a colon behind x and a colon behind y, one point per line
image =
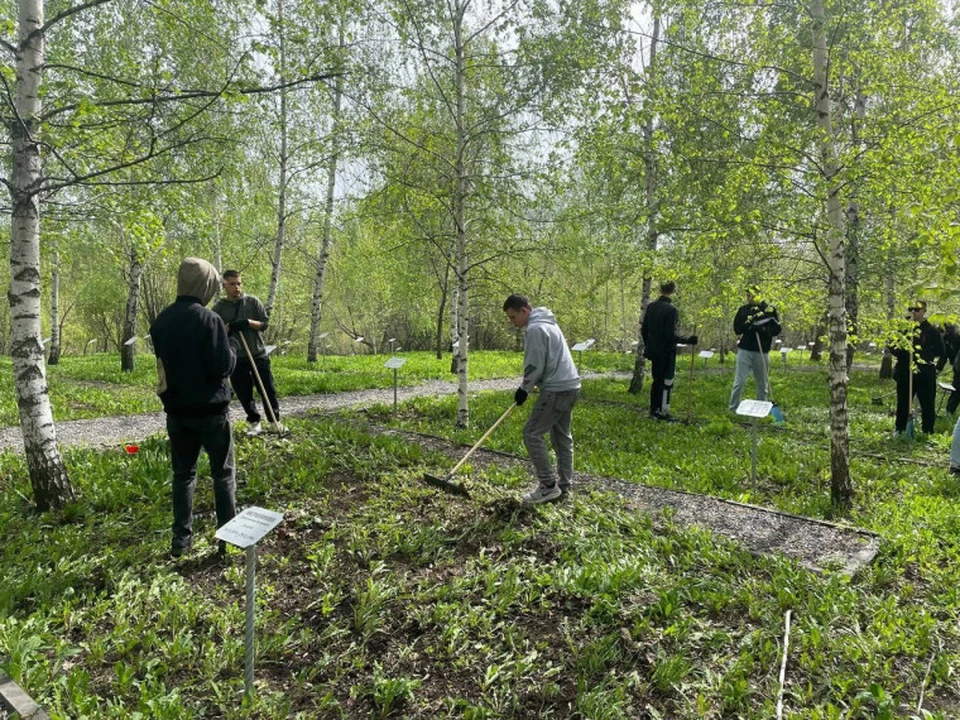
x: 547, y: 361
x: 198, y: 278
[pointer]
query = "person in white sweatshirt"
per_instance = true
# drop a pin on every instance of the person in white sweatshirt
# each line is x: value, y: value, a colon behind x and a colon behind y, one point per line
x: 547, y: 364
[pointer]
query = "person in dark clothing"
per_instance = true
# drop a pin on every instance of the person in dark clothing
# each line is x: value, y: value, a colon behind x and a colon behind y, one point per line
x: 194, y: 360
x: 757, y: 324
x: 951, y: 347
x: 245, y: 315
x: 659, y: 333
x: 927, y: 347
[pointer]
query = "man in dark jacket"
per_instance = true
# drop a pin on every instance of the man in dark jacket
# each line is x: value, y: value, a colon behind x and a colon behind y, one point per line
x: 927, y: 347
x: 245, y: 315
x: 951, y: 347
x: 659, y: 333
x: 757, y: 324
x: 194, y: 360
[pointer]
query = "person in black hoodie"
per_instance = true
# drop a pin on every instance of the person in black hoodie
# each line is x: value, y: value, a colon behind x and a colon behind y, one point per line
x: 757, y: 324
x: 927, y: 347
x: 659, y: 333
x: 951, y: 347
x: 194, y: 361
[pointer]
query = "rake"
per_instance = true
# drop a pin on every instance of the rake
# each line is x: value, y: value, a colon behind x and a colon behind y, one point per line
x: 446, y: 482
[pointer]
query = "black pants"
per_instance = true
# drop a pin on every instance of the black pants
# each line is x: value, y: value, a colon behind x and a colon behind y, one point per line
x: 662, y: 368
x: 925, y: 390
x: 243, y: 383
x: 187, y: 436
x: 954, y: 400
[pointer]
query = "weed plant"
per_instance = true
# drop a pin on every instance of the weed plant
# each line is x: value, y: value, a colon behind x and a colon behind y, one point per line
x: 379, y: 597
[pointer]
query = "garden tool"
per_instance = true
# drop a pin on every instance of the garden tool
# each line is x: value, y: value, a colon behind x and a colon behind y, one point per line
x: 690, y: 391
x: 446, y: 482
x: 775, y: 411
x: 263, y: 393
x: 910, y: 430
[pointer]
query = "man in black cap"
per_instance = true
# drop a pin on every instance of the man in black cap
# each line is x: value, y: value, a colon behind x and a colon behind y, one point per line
x: 924, y: 347
x: 757, y: 324
x: 659, y: 333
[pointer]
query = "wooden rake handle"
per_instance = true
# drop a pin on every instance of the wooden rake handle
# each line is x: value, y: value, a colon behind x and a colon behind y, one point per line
x: 479, y: 442
x: 256, y: 374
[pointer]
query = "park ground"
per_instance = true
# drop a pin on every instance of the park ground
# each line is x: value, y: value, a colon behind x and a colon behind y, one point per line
x: 380, y: 597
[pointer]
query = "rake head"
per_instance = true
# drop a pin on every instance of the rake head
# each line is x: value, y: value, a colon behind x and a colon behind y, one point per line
x: 446, y: 485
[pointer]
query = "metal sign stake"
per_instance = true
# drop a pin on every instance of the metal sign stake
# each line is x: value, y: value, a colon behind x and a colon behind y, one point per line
x: 248, y: 635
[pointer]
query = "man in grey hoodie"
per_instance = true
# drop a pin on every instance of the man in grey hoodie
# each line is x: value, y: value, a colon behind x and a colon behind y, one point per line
x: 194, y: 360
x: 547, y: 363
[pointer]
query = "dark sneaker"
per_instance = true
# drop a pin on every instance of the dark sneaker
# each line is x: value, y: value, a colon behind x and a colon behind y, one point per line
x: 541, y: 494
x: 179, y: 550
x: 666, y: 417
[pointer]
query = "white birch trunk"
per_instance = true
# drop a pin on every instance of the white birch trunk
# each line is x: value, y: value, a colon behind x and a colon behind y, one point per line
x: 48, y: 474
x: 460, y: 201
x: 650, y: 197
x: 316, y: 307
x: 841, y: 489
x: 128, y: 353
x: 455, y: 318
x: 53, y: 352
x: 282, y: 198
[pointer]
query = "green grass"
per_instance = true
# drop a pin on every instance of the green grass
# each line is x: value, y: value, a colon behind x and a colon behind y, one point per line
x: 379, y: 597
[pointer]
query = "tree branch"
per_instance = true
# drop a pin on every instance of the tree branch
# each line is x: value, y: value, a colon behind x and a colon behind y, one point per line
x: 70, y: 11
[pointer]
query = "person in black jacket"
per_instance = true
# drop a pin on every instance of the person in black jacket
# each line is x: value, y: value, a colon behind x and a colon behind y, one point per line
x: 757, y: 324
x: 659, y: 333
x: 927, y: 347
x: 194, y: 361
x: 951, y: 347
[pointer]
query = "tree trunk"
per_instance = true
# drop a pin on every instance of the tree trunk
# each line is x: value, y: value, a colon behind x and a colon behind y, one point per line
x: 53, y: 356
x: 316, y: 307
x: 444, y: 288
x: 886, y: 364
x: 282, y: 196
x: 460, y: 201
x: 854, y: 226
x: 841, y: 488
x: 48, y: 474
x: 128, y: 350
x: 650, y: 195
x: 455, y: 320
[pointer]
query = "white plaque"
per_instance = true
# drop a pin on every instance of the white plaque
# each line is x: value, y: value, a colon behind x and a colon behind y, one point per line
x: 394, y: 363
x: 359, y: 339
x: 590, y: 341
x: 705, y: 354
x: 391, y: 340
x: 270, y: 348
x: 946, y: 387
x: 321, y: 336
x: 785, y: 350
x: 249, y: 526
x: 754, y: 408
x: 132, y: 340
x: 580, y: 347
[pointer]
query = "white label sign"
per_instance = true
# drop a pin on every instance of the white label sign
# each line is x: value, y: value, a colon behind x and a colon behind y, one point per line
x: 705, y: 354
x: 395, y: 362
x: 269, y: 348
x: 785, y: 350
x: 580, y: 347
x: 754, y: 408
x: 131, y: 341
x: 249, y: 527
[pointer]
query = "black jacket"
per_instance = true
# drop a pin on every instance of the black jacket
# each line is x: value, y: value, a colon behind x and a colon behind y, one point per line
x: 951, y: 346
x: 195, y: 357
x: 756, y: 324
x: 659, y: 329
x: 927, y: 347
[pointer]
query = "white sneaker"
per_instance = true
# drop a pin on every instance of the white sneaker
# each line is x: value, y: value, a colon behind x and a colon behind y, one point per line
x: 254, y: 429
x: 279, y: 428
x: 541, y: 494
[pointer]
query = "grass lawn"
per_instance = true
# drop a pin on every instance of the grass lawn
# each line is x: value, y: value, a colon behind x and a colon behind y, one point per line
x: 379, y: 597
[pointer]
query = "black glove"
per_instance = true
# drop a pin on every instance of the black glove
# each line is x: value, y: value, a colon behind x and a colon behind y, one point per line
x: 241, y: 324
x: 692, y: 340
x: 520, y: 396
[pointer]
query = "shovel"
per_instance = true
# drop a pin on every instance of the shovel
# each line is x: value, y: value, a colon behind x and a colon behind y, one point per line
x: 446, y: 483
x: 263, y: 392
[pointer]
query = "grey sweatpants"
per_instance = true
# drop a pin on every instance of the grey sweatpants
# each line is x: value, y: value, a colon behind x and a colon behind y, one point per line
x: 553, y: 413
x: 749, y: 361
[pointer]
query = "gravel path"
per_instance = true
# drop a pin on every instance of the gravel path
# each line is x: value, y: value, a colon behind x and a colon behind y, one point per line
x: 815, y: 544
